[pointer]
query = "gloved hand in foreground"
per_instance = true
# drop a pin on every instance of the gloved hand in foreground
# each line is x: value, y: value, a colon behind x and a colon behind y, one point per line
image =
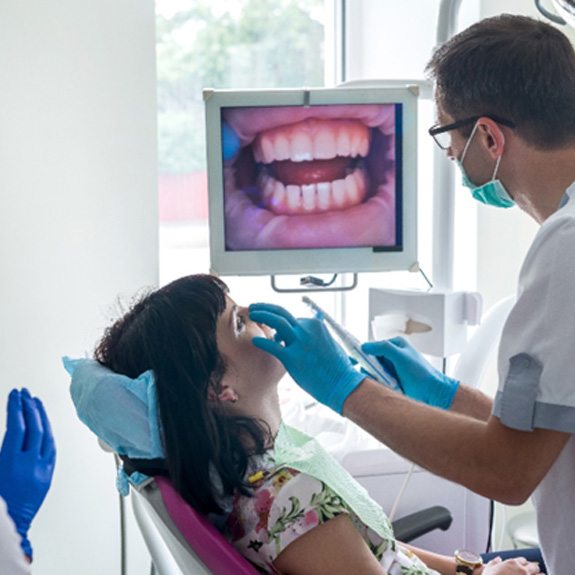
x: 418, y: 378
x: 309, y: 353
x: 27, y: 461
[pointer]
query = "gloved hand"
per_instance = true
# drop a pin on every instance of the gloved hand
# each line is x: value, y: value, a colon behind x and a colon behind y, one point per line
x: 27, y: 461
x: 309, y: 353
x: 418, y: 378
x: 230, y: 142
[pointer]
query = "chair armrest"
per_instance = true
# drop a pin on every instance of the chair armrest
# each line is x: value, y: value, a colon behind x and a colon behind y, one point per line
x: 421, y: 522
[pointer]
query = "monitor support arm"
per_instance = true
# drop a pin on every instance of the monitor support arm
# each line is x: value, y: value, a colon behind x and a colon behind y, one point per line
x: 443, y: 185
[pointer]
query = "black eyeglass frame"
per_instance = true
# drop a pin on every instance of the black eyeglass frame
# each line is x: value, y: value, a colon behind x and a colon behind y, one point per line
x: 437, y: 129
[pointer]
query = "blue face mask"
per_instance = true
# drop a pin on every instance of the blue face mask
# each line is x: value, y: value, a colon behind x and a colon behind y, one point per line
x: 493, y: 192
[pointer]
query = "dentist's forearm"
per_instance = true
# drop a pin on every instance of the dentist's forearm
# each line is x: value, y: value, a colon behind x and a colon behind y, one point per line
x: 429, y: 437
x: 486, y: 457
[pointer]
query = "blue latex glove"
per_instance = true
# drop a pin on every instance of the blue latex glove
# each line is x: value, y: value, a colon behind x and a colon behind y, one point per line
x: 230, y: 142
x: 418, y: 378
x: 309, y: 353
x: 27, y: 461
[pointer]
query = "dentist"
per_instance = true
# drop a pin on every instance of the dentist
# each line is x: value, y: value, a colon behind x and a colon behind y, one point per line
x: 505, y: 100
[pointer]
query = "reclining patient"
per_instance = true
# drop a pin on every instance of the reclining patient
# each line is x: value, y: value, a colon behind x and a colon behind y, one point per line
x: 283, y: 502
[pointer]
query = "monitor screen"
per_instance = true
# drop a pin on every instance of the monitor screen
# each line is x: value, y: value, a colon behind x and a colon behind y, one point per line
x: 304, y: 181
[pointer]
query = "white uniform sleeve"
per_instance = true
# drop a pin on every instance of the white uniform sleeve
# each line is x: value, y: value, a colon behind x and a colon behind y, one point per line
x: 537, y: 351
x: 11, y: 556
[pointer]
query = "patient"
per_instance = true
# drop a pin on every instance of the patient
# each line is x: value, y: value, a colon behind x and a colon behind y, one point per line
x: 284, y: 503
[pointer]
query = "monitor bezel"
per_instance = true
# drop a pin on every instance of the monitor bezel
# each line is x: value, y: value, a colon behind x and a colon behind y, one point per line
x: 310, y: 260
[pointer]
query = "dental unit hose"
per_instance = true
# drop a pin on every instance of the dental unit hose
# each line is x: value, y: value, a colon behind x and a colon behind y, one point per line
x: 353, y: 347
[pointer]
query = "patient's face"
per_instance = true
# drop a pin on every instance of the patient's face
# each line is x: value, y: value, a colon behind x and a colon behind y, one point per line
x: 235, y: 332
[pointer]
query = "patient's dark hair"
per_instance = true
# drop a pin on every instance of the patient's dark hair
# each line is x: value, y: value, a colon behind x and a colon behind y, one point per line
x: 172, y: 331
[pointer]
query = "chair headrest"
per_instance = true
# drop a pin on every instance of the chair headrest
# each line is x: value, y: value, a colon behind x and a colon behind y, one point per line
x: 121, y: 411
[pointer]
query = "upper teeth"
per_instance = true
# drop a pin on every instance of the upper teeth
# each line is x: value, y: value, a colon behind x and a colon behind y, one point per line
x: 312, y: 139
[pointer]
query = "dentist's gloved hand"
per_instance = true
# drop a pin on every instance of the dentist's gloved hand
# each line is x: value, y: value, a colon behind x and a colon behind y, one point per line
x: 418, y: 378
x: 27, y: 459
x: 309, y: 353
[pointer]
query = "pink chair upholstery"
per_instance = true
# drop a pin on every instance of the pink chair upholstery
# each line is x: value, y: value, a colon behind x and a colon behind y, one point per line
x: 219, y: 556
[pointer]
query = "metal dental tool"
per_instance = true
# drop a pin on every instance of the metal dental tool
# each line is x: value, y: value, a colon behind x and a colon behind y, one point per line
x: 353, y: 347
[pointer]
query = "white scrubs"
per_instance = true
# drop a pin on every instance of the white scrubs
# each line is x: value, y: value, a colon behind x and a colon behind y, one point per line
x: 12, y: 559
x: 537, y: 373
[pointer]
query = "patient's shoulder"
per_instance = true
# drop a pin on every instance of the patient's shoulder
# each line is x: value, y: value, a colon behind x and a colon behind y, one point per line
x: 287, y: 497
x: 285, y: 505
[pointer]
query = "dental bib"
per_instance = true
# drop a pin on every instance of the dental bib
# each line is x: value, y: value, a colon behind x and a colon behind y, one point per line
x: 303, y: 453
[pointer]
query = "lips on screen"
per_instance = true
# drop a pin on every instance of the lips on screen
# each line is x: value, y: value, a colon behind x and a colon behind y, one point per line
x: 326, y: 176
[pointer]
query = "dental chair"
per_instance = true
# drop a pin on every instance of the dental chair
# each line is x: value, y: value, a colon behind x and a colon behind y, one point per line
x: 183, y: 542
x: 180, y: 540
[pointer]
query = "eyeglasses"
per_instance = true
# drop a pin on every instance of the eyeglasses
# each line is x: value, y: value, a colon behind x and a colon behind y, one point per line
x: 442, y: 136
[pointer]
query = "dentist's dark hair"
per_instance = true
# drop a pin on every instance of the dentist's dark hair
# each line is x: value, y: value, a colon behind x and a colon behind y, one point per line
x: 172, y: 331
x: 513, y: 67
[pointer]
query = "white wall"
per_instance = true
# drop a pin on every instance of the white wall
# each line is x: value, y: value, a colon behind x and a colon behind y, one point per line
x: 78, y: 225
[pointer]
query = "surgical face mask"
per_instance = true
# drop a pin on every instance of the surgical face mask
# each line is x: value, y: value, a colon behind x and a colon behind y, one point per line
x: 493, y: 192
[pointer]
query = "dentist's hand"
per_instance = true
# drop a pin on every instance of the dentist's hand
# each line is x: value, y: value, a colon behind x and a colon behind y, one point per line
x: 419, y: 379
x: 308, y: 352
x: 27, y: 461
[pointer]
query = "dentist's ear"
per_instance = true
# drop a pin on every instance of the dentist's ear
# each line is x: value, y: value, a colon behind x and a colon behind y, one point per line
x: 493, y: 135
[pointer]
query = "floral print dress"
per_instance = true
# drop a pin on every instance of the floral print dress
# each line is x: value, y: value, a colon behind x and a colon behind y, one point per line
x: 287, y: 504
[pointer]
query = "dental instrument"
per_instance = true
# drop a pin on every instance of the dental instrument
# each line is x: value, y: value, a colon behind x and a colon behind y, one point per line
x: 353, y: 347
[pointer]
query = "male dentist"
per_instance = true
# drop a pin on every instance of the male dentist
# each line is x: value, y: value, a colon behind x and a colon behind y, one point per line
x: 505, y: 100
